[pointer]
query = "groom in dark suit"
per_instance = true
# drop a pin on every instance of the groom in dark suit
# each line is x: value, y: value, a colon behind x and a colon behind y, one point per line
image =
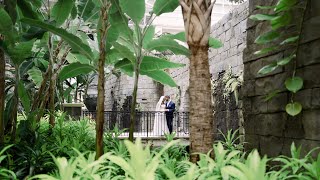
x: 170, y: 108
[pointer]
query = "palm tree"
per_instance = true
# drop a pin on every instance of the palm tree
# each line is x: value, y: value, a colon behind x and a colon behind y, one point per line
x: 197, y: 22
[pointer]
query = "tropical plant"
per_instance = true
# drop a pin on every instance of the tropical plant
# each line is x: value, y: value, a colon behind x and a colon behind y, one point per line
x: 135, y: 45
x: 280, y: 18
x: 197, y: 22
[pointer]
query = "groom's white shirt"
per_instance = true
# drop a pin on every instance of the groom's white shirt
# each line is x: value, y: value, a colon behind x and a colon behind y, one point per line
x: 168, y: 103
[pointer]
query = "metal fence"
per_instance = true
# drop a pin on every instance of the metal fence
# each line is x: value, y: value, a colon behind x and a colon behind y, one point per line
x: 148, y: 123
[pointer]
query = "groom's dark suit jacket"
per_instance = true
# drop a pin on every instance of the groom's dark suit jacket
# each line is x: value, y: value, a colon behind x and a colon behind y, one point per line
x: 171, y: 106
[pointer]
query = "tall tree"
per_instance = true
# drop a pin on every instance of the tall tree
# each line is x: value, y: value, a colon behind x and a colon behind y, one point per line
x: 197, y: 22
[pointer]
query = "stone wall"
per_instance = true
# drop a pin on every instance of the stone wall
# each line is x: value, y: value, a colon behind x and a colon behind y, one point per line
x: 120, y: 88
x: 267, y: 126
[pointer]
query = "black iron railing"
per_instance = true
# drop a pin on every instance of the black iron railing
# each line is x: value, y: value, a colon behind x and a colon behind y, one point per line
x: 148, y: 123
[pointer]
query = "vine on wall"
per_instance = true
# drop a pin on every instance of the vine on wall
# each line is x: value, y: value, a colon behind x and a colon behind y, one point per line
x: 282, y: 18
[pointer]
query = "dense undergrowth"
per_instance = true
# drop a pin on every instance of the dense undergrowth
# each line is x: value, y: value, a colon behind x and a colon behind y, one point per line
x: 67, y: 152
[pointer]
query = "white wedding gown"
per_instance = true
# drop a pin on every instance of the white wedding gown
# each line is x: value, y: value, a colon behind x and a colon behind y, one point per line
x: 160, y: 126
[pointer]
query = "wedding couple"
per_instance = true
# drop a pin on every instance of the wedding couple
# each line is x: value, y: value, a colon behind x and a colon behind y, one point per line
x: 163, y: 124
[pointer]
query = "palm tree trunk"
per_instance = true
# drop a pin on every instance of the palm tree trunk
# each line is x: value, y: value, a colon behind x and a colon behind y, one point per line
x: 201, y: 111
x: 2, y: 95
x: 101, y: 81
x: 197, y: 22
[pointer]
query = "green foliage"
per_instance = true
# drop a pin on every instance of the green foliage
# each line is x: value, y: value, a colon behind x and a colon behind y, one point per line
x: 61, y: 11
x: 165, y: 6
x: 75, y: 69
x: 164, y: 44
x: 75, y: 42
x: 136, y: 13
x: 67, y: 153
x: 6, y: 26
x: 280, y: 19
x: 20, y: 51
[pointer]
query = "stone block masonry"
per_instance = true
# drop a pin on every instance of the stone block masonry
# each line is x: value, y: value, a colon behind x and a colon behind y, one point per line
x: 267, y: 126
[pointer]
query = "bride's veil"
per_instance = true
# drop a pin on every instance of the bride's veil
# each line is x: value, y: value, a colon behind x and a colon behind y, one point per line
x: 158, y: 107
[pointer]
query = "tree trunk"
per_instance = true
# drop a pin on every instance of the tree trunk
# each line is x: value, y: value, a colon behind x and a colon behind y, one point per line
x: 2, y: 95
x: 14, y: 112
x: 201, y: 112
x: 52, y: 95
x: 197, y: 21
x: 101, y: 80
x: 133, y: 104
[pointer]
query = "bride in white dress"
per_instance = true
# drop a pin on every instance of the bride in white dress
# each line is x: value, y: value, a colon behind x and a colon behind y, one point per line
x: 160, y: 126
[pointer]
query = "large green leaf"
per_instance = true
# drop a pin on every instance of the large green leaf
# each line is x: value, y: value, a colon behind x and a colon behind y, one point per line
x: 150, y: 63
x: 75, y: 42
x: 160, y: 76
x: 215, y: 43
x: 293, y: 109
x: 87, y: 10
x: 163, y: 44
x: 74, y: 57
x: 113, y: 56
x: 181, y: 36
x: 119, y: 25
x: 267, y: 37
x: 164, y: 6
x: 75, y: 69
x: 134, y: 9
x: 20, y: 51
x: 61, y: 11
x: 24, y: 96
x: 125, y: 66
x: 124, y: 51
x: 27, y: 9
x: 10, y: 7
x: 6, y: 26
x: 284, y: 5
x: 148, y: 36
x: 35, y: 75
x: 294, y: 84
